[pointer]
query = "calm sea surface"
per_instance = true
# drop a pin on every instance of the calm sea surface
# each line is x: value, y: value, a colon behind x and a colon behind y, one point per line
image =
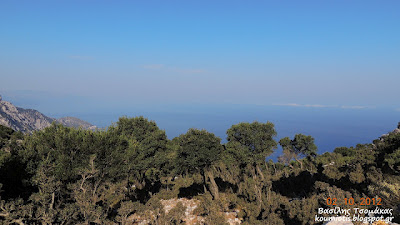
x: 331, y: 127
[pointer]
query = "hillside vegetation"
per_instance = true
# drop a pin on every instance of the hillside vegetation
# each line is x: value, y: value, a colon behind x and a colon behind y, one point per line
x: 122, y: 175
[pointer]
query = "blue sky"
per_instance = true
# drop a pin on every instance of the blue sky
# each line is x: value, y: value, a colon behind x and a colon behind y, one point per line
x: 296, y: 53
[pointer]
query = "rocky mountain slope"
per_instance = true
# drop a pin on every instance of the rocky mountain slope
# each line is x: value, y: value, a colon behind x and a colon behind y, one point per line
x: 28, y: 120
x: 76, y: 123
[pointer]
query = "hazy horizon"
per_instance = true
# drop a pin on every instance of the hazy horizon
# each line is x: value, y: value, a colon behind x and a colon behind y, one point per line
x: 306, y: 66
x: 307, y: 53
x: 331, y: 126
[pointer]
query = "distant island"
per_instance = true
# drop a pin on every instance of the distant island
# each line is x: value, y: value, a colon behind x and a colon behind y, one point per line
x: 53, y: 173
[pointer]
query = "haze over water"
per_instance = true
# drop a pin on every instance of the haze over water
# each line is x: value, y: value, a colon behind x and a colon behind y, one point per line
x: 329, y: 69
x: 331, y: 126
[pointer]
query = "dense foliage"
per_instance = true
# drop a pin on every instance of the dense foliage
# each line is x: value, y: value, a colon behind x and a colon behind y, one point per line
x: 64, y: 175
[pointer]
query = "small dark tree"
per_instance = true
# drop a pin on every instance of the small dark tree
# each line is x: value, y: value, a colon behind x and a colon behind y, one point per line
x: 256, y: 139
x: 250, y: 143
x: 301, y: 145
x: 150, y: 158
x: 198, y: 150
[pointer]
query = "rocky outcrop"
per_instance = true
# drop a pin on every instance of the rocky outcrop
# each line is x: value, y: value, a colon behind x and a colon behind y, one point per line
x: 29, y: 120
x: 395, y: 131
x: 189, y: 204
x: 189, y: 215
x: 76, y: 123
x: 19, y: 119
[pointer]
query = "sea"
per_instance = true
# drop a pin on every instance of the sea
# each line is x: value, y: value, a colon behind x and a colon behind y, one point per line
x: 331, y: 127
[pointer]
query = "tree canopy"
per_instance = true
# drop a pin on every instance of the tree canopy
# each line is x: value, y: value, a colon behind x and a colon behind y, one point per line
x: 252, y: 141
x: 125, y: 174
x: 198, y: 149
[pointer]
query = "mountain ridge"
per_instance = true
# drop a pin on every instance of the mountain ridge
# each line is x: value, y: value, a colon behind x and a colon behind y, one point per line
x: 29, y: 120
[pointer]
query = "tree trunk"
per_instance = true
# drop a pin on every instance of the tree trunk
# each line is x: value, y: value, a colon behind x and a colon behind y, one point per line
x: 205, y: 188
x: 301, y: 164
x: 18, y: 221
x: 260, y: 172
x: 52, y: 200
x: 214, y: 186
x: 258, y: 195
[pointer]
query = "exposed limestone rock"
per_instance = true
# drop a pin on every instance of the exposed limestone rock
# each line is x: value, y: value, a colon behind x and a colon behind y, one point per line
x: 190, y: 218
x: 232, y: 218
x: 29, y: 120
x: 395, y: 131
x: 76, y: 123
x: 19, y: 119
x: 189, y: 204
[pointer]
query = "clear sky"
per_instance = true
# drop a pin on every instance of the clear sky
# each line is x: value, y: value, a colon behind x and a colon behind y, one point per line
x: 336, y: 53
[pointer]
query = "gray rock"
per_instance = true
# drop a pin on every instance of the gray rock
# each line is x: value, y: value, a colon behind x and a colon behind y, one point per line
x: 76, y: 123
x: 29, y: 120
